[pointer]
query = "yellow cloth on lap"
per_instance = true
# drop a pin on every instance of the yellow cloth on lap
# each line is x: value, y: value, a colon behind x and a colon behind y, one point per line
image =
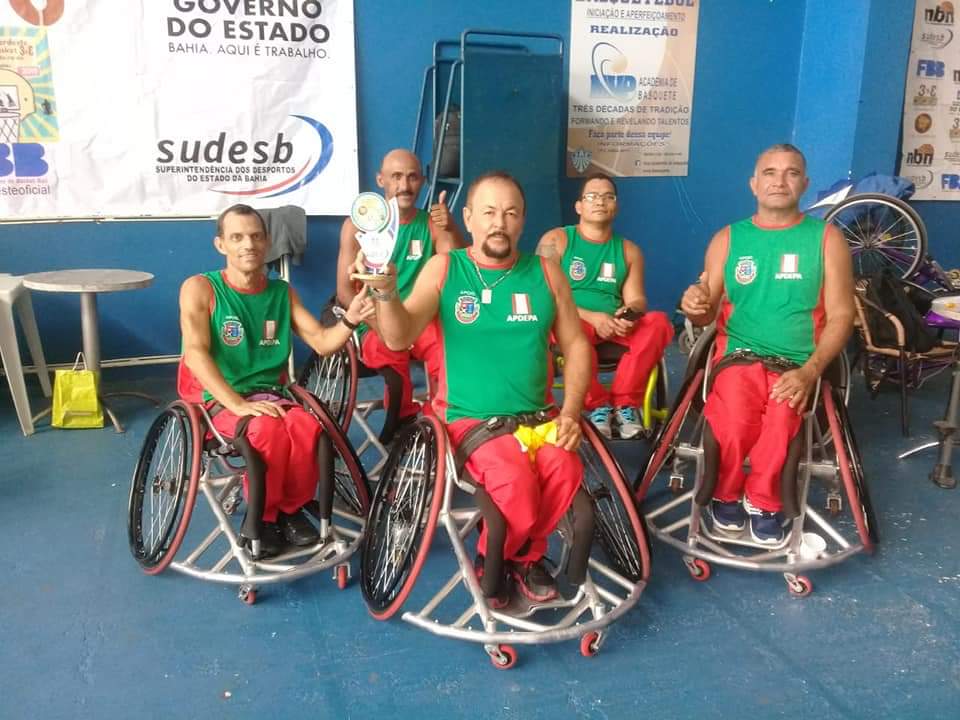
x: 532, y: 439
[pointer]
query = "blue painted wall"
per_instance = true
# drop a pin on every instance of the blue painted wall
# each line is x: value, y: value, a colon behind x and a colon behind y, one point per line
x: 757, y: 62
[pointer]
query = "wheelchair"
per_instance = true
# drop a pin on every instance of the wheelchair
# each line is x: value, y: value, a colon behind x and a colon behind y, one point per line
x: 824, y: 450
x: 183, y: 456
x: 417, y: 495
x: 335, y: 381
x: 654, y: 409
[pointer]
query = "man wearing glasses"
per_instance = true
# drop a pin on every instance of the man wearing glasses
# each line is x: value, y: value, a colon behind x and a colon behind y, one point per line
x: 605, y: 271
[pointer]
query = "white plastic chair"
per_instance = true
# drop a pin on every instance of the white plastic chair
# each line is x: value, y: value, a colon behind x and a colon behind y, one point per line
x: 14, y: 294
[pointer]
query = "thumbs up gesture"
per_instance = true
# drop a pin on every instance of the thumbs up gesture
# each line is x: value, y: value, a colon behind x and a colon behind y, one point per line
x: 440, y: 213
x: 696, y: 299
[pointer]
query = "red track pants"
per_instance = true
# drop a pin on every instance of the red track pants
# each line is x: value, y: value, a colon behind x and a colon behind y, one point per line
x: 288, y: 446
x: 375, y: 355
x: 746, y: 422
x: 646, y: 344
x: 531, y: 495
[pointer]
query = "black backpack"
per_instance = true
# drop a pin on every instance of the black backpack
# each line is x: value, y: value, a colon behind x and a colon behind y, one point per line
x: 908, y: 303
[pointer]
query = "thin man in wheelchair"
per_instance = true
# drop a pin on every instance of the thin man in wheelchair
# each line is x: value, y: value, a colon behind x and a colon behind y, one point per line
x: 780, y: 287
x: 236, y: 325
x: 497, y: 307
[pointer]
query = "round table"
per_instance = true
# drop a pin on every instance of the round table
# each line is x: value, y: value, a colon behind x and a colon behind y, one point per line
x: 90, y: 282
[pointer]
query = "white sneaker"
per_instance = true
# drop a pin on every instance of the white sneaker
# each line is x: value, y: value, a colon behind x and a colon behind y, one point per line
x: 600, y: 417
x: 628, y: 422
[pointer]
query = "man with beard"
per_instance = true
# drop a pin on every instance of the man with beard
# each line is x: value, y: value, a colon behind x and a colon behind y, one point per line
x: 497, y: 307
x: 421, y: 235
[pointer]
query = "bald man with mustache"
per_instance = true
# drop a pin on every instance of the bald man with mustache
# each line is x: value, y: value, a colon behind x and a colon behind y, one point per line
x: 421, y: 236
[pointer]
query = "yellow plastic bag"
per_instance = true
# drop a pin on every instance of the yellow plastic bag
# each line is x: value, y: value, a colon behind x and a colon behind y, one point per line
x: 76, y: 402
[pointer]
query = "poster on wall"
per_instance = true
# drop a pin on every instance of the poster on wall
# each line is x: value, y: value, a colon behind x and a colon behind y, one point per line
x: 140, y: 108
x: 930, y: 154
x: 631, y: 87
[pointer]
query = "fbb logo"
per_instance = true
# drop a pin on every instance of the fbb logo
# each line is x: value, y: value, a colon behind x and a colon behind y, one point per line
x: 929, y: 68
x: 942, y: 14
x: 22, y: 160
x: 949, y: 182
x: 923, y: 155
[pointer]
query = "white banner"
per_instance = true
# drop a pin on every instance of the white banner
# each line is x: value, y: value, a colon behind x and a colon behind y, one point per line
x: 930, y: 154
x: 631, y: 87
x: 174, y: 107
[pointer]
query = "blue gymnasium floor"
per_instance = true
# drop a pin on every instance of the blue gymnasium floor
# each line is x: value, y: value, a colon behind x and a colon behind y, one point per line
x: 86, y: 635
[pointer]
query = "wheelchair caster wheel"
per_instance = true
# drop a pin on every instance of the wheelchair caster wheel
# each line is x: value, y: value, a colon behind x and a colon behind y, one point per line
x: 799, y: 586
x: 699, y: 569
x: 247, y: 594
x: 590, y: 644
x: 503, y: 657
x: 342, y: 575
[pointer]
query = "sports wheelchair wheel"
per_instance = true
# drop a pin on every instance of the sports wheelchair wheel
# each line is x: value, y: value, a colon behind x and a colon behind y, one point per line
x: 350, y: 480
x: 164, y: 487
x: 882, y: 231
x: 621, y: 533
x: 403, y: 517
x: 333, y: 380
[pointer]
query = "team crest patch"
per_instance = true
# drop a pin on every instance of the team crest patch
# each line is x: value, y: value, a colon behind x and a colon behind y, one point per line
x: 231, y: 332
x: 746, y: 270
x: 467, y: 310
x: 578, y: 269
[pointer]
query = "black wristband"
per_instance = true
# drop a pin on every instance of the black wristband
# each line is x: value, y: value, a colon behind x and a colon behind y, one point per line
x: 351, y: 325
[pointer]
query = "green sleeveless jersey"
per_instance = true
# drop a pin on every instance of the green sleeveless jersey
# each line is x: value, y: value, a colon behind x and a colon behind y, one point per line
x: 596, y: 271
x: 250, y: 334
x: 773, y: 279
x: 495, y: 354
x: 414, y: 247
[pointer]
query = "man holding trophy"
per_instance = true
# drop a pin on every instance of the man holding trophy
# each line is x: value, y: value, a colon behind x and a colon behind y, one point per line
x: 417, y: 235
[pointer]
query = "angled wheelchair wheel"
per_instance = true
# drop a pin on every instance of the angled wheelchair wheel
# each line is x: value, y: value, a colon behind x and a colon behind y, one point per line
x: 164, y: 487
x: 403, y: 517
x: 669, y: 435
x: 351, y: 487
x: 850, y: 468
x: 882, y: 232
x: 332, y: 379
x: 618, y: 527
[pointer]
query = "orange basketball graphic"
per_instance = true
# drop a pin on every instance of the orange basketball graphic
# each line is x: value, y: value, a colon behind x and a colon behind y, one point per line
x: 38, y: 12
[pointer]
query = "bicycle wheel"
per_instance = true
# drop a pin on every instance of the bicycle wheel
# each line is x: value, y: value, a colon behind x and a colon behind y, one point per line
x: 882, y: 232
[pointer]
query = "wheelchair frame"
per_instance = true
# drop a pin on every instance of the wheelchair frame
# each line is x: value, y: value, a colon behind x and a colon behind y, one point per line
x: 703, y: 544
x: 173, y: 486
x: 431, y: 483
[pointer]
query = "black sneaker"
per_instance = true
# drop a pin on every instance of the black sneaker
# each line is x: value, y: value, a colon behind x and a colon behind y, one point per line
x: 534, y: 581
x: 501, y: 597
x: 271, y: 540
x: 297, y: 529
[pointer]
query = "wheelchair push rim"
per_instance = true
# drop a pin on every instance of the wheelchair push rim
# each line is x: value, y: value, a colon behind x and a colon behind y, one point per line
x: 164, y: 487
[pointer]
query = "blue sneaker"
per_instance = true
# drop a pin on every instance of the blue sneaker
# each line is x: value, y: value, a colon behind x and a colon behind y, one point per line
x: 766, y: 527
x: 728, y: 515
x: 628, y: 422
x: 600, y: 417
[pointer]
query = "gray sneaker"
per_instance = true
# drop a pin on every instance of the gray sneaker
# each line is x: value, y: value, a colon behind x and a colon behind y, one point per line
x: 628, y: 422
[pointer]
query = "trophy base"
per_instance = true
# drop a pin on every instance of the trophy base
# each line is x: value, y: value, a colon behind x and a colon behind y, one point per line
x: 365, y: 277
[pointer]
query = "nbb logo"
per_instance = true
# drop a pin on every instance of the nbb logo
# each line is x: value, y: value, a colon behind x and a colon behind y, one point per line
x: 923, y: 155
x: 942, y: 14
x: 22, y: 160
x: 929, y: 68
